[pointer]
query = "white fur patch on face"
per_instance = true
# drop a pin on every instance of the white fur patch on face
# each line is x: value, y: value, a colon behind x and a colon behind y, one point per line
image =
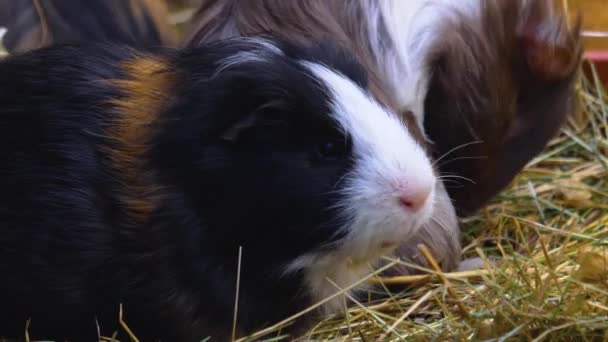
x: 390, y: 169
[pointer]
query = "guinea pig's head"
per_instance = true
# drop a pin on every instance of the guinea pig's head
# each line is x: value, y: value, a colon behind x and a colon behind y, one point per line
x: 283, y: 151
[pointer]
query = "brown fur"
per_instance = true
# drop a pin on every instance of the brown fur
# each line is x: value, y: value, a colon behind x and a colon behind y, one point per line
x: 343, y: 22
x: 505, y: 81
x: 144, y: 97
x: 160, y: 14
x: 410, y: 122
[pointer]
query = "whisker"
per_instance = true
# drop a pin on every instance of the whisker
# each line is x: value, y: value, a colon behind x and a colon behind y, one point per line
x: 447, y: 180
x: 456, y: 149
x: 452, y: 184
x: 456, y: 177
x: 441, y: 224
x: 348, y: 174
x: 461, y: 158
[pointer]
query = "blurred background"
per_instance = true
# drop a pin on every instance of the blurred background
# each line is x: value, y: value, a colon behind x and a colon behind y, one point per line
x: 595, y: 16
x: 35, y: 23
x: 17, y: 12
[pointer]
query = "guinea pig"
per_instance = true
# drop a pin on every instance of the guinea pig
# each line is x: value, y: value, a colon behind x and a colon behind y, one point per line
x: 350, y: 23
x: 35, y: 23
x: 136, y: 177
x: 489, y: 82
x: 503, y: 79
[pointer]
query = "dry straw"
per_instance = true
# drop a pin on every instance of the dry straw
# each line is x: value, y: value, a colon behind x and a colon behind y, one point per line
x: 544, y: 241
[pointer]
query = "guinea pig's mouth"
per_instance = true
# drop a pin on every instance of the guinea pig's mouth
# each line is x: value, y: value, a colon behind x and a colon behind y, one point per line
x: 382, y: 248
x: 374, y: 251
x: 389, y: 244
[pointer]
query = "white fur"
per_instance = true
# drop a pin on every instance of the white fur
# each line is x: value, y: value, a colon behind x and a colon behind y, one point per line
x: 387, y: 162
x: 263, y: 49
x: 402, y: 35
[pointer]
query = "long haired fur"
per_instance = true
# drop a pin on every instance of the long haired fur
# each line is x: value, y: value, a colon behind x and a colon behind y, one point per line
x: 489, y: 82
x: 344, y: 22
x: 358, y: 27
x: 503, y: 76
x: 488, y: 64
x: 37, y: 23
x: 133, y: 177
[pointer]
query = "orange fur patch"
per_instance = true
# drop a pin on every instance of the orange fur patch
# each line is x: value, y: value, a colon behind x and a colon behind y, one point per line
x: 145, y: 93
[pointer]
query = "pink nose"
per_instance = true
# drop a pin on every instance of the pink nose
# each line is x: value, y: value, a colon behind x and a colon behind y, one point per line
x: 414, y: 199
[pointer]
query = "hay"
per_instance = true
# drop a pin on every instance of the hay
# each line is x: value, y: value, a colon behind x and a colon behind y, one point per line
x: 544, y: 241
x: 545, y: 245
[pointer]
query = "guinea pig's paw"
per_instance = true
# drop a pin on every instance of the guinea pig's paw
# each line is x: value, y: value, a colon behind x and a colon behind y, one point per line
x: 551, y: 47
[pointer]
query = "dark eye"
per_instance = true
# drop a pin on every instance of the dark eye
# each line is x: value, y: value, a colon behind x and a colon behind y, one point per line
x: 332, y: 149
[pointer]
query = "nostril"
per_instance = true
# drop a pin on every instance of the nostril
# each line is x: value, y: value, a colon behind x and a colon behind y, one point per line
x: 406, y: 202
x: 414, y: 200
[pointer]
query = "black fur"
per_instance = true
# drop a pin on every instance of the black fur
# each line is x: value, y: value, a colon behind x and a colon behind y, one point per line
x: 69, y: 252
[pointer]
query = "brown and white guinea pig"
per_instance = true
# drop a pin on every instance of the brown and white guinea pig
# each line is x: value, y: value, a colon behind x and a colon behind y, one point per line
x: 134, y: 177
x: 36, y: 23
x: 489, y: 82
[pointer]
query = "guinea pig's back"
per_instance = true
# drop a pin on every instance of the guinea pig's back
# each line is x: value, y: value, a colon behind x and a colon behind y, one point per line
x: 55, y: 221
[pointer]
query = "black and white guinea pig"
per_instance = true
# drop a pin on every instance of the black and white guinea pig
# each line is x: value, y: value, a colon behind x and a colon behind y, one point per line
x: 488, y: 81
x: 358, y: 27
x: 132, y: 177
x: 33, y: 24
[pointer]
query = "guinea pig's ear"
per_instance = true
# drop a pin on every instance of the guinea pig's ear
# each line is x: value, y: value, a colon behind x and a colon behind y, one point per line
x: 269, y: 114
x: 234, y: 131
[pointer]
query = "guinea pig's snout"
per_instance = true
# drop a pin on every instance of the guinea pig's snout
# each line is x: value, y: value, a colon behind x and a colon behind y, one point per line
x: 413, y: 193
x: 415, y: 197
